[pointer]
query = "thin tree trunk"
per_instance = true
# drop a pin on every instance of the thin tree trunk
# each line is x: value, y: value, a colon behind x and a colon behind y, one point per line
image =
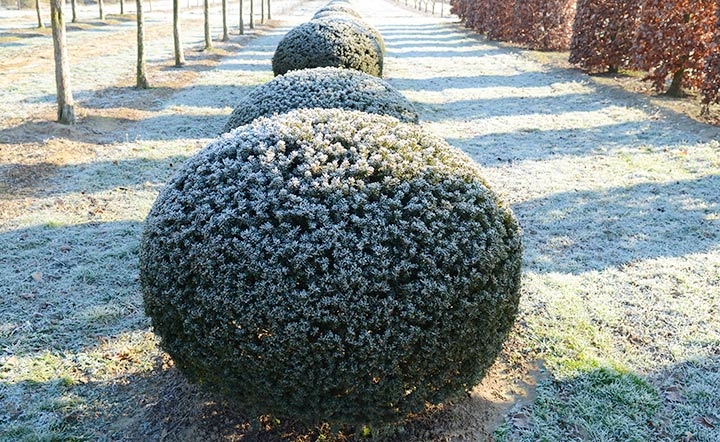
x: 100, y: 5
x: 66, y: 105
x: 122, y: 7
x: 73, y: 3
x: 675, y: 89
x: 140, y: 77
x: 242, y: 24
x: 177, y: 38
x: 252, y: 12
x: 39, y: 16
x: 225, y: 36
x: 269, y: 15
x: 262, y: 11
x: 208, y: 37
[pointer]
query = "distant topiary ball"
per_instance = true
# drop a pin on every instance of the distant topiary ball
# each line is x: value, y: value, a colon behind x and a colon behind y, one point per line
x: 331, y: 266
x: 335, y: 15
x: 339, y: 7
x: 328, y: 42
x: 326, y: 88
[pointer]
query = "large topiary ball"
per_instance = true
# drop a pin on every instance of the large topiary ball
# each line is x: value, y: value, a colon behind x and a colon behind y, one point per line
x: 339, y: 7
x: 331, y: 266
x: 328, y: 42
x: 336, y: 15
x: 324, y: 88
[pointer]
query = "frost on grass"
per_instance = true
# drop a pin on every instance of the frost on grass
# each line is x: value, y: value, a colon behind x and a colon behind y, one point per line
x: 327, y: 88
x: 331, y: 266
x: 328, y: 42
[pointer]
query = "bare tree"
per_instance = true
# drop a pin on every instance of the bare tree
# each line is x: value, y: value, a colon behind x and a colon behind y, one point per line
x: 122, y: 7
x: 225, y: 36
x: 140, y: 76
x: 39, y: 16
x: 102, y: 14
x: 177, y: 37
x: 268, y: 8
x: 66, y: 105
x: 208, y: 37
x: 242, y: 24
x: 252, y: 12
x: 73, y: 4
x: 262, y: 11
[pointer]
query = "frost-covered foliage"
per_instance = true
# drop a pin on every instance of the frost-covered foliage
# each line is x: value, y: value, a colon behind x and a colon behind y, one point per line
x: 328, y: 88
x: 343, y: 8
x: 328, y: 42
x: 331, y: 15
x: 331, y: 266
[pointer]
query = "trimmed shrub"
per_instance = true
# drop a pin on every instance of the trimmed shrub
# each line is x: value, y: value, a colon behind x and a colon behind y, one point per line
x: 603, y: 34
x: 328, y: 42
x: 711, y: 80
x: 331, y: 266
x: 544, y: 24
x: 330, y: 15
x: 338, y: 8
x: 326, y: 88
x: 673, y: 40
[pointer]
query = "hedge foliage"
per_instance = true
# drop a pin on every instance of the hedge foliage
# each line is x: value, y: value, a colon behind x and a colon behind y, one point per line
x: 673, y: 40
x: 604, y: 34
x: 332, y: 266
x: 322, y: 88
x: 328, y: 42
x: 711, y: 80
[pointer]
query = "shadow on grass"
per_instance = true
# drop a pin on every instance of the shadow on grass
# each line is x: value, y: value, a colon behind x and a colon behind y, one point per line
x: 22, y: 180
x: 576, y: 232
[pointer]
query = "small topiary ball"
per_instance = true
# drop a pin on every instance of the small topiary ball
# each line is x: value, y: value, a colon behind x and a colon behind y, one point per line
x: 328, y: 42
x: 324, y: 88
x: 331, y: 266
x: 335, y: 15
x: 339, y: 7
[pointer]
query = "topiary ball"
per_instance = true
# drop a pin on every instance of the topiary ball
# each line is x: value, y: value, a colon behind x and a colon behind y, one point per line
x: 328, y: 42
x: 324, y: 88
x: 335, y: 15
x: 339, y: 7
x: 331, y: 266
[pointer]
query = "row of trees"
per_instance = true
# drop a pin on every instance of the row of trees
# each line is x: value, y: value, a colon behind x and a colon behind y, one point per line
x: 65, y: 102
x: 674, y: 41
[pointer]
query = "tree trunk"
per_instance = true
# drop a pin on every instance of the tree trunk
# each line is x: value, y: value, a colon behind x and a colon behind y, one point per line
x: 269, y: 15
x: 100, y: 5
x: 225, y: 36
x: 252, y: 12
x: 66, y: 106
x: 208, y: 37
x: 177, y: 38
x: 122, y: 7
x: 262, y: 11
x: 140, y: 77
x: 241, y: 26
x: 39, y: 16
x: 73, y: 3
x: 675, y: 89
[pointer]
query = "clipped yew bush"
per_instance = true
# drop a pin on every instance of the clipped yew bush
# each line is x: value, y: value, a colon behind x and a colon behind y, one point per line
x: 331, y: 266
x: 328, y: 42
x: 326, y: 88
x: 331, y: 15
x: 603, y: 34
x: 343, y: 8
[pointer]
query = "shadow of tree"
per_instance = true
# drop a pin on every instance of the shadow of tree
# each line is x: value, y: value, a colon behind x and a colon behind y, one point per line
x: 576, y: 232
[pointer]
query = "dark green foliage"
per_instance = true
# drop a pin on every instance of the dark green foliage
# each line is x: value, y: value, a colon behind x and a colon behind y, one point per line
x: 331, y: 266
x: 339, y: 8
x: 328, y: 42
x: 326, y: 88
